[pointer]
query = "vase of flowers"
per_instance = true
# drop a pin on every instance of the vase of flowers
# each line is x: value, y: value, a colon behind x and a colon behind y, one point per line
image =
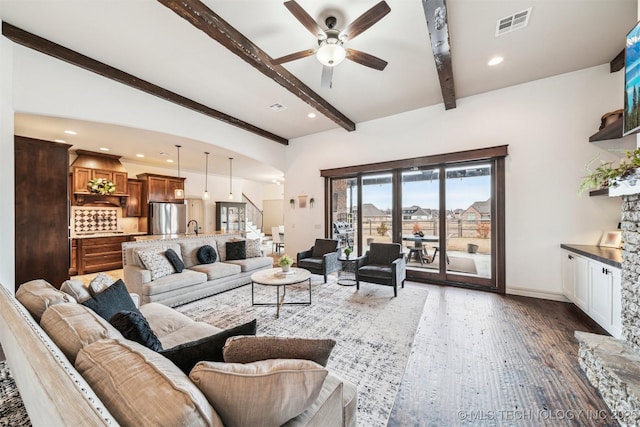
x: 101, y: 186
x: 285, y: 262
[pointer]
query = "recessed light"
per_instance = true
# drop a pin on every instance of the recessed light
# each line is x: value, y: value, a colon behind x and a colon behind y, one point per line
x: 495, y: 60
x: 70, y: 132
x: 140, y: 155
x: 169, y: 160
x: 104, y: 149
x: 59, y: 140
x: 311, y: 115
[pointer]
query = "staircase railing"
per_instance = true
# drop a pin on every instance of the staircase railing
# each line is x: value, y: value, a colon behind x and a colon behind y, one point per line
x: 254, y: 214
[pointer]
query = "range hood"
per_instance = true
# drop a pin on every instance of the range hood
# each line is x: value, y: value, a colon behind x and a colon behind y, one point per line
x: 95, y: 160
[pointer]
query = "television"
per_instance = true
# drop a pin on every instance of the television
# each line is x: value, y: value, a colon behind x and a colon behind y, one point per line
x: 631, y: 115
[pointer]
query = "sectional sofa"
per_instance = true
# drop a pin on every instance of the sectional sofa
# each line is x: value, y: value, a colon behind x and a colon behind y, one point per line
x: 197, y: 280
x: 73, y: 368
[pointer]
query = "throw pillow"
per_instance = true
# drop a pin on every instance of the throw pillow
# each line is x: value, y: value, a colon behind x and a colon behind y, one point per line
x: 175, y: 260
x: 112, y: 300
x: 207, y: 255
x: 99, y: 283
x: 186, y: 355
x: 236, y: 250
x: 141, y: 388
x: 76, y: 289
x: 252, y: 349
x: 156, y: 262
x: 253, y: 248
x: 265, y: 393
x: 37, y: 295
x: 133, y: 326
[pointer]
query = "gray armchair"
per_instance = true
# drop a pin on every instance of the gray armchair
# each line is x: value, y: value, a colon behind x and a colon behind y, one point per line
x: 383, y: 264
x: 322, y: 258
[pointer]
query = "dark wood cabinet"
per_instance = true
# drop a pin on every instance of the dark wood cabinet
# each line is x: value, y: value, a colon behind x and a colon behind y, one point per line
x: 73, y: 268
x: 100, y: 254
x: 81, y: 177
x: 160, y: 188
x: 42, y: 245
x: 134, y: 204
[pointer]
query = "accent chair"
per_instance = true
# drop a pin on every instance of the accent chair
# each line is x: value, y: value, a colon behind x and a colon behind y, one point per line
x: 382, y: 264
x: 322, y: 258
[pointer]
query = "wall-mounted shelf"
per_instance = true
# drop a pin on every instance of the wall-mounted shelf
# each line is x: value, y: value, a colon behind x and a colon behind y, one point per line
x: 600, y: 192
x: 612, y: 131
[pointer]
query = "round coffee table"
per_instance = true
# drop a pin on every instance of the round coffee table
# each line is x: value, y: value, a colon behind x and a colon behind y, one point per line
x: 275, y: 277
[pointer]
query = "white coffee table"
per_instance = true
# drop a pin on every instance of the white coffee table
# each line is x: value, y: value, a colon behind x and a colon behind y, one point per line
x: 275, y: 277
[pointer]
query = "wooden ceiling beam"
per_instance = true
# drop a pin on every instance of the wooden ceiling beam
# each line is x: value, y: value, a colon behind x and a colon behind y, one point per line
x: 435, y: 11
x: 57, y: 51
x: 617, y: 63
x: 207, y: 21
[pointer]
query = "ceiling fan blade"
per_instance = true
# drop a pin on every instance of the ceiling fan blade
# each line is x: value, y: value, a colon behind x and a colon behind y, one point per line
x: 366, y: 59
x: 366, y: 20
x: 305, y: 19
x: 293, y: 56
x: 327, y: 76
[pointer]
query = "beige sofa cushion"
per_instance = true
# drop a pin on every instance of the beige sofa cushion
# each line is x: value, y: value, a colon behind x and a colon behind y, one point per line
x: 38, y: 295
x: 217, y: 270
x: 142, y: 388
x: 251, y: 264
x: 174, y: 328
x: 265, y: 393
x: 74, y: 326
x: 173, y: 281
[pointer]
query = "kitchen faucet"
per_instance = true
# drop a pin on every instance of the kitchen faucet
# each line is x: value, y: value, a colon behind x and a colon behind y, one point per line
x: 195, y: 227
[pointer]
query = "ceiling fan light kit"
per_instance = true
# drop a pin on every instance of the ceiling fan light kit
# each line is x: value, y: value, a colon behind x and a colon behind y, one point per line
x: 331, y: 51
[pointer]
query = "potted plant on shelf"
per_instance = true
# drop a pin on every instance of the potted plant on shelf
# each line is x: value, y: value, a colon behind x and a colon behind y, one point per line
x: 285, y: 262
x: 609, y: 176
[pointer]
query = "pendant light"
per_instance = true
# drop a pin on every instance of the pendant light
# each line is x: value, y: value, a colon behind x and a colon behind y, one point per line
x: 205, y: 195
x: 230, y: 176
x: 178, y: 192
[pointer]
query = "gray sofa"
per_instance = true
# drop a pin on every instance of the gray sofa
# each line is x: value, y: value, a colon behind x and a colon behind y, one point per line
x: 73, y: 368
x: 196, y: 280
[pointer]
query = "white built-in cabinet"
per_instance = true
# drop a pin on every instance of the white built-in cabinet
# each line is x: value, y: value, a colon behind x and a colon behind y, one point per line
x: 595, y: 287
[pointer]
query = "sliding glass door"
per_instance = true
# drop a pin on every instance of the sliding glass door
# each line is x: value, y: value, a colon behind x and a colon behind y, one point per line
x: 448, y: 217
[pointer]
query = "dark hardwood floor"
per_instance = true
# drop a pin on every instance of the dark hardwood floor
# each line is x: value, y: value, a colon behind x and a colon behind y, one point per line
x: 486, y: 359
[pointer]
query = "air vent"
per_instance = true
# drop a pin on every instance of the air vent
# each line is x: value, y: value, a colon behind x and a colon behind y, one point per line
x: 513, y: 22
x: 277, y: 107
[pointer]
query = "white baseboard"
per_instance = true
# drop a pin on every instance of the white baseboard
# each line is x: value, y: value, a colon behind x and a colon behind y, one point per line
x: 534, y: 293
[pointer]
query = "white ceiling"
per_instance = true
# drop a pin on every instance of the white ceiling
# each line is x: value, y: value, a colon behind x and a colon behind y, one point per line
x: 146, y: 39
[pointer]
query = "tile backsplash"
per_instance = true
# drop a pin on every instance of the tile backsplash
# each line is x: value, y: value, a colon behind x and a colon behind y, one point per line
x: 93, y: 219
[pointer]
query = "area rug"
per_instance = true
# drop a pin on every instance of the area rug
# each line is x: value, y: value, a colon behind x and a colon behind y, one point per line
x: 12, y: 410
x: 374, y: 331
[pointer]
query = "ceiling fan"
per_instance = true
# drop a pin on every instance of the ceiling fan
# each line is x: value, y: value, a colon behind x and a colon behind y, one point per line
x: 330, y: 51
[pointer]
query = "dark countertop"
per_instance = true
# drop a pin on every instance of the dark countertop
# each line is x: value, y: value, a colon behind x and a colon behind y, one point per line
x: 106, y: 234
x: 609, y: 256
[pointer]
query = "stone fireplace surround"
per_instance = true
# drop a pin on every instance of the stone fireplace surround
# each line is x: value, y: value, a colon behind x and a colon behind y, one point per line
x: 613, y: 365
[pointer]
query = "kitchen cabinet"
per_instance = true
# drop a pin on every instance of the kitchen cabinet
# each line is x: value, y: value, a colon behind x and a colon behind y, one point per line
x: 73, y: 267
x: 99, y: 254
x: 160, y: 188
x: 82, y: 176
x: 134, y: 204
x: 41, y: 211
x: 596, y: 288
x: 231, y: 217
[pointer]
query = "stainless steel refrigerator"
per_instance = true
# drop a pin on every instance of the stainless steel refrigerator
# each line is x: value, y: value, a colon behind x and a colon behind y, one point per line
x: 167, y: 218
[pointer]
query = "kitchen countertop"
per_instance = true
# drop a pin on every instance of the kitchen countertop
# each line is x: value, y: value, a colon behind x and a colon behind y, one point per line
x: 609, y: 256
x: 178, y: 236
x: 106, y: 234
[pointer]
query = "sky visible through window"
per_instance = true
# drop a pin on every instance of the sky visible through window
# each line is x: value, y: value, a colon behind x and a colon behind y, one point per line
x: 461, y: 193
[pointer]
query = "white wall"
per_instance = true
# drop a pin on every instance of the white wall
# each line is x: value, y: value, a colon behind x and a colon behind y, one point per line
x: 546, y: 123
x: 7, y: 236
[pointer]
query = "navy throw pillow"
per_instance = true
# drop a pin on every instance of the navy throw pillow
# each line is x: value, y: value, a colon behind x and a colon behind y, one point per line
x: 175, y: 260
x: 236, y: 250
x: 134, y: 326
x: 207, y: 255
x: 185, y: 356
x: 112, y: 300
